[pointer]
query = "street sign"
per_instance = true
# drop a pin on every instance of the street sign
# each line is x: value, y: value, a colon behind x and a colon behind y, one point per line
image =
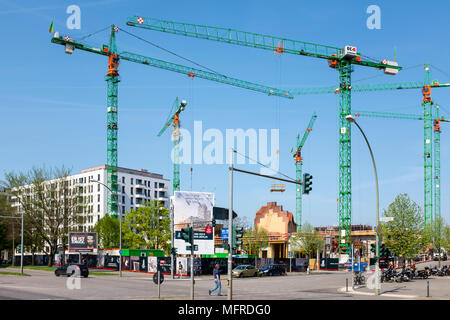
x: 224, y: 234
x: 155, y: 278
x: 379, y: 229
x: 195, y: 247
x: 386, y: 219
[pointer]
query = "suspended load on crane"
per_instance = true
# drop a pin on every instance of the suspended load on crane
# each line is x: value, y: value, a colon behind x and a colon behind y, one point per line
x: 278, y: 188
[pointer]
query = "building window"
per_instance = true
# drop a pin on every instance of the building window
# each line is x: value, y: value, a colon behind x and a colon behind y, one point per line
x: 98, y: 198
x: 123, y: 189
x: 131, y: 179
x: 156, y: 184
x: 98, y: 187
x: 84, y: 179
x: 123, y: 209
x: 131, y: 200
x: 131, y: 190
x: 123, y: 199
x: 98, y: 208
x: 156, y: 194
x: 123, y: 179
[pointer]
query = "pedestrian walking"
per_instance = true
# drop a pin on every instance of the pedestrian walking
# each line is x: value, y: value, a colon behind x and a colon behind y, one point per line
x: 180, y: 269
x: 216, y: 281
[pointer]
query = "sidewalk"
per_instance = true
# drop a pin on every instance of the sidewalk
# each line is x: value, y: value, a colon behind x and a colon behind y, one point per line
x: 438, y: 288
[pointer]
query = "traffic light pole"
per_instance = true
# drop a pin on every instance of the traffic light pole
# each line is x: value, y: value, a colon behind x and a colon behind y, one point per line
x: 192, y: 261
x: 172, y: 241
x: 230, y: 231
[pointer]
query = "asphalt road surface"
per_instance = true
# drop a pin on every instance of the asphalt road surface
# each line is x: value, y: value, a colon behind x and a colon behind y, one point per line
x: 135, y: 286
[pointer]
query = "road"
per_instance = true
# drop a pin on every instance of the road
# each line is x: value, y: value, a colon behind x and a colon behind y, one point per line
x: 135, y: 286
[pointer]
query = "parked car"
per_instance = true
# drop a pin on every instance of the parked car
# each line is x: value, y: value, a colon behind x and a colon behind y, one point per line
x: 71, y: 269
x: 273, y: 270
x: 245, y: 270
x: 443, y: 255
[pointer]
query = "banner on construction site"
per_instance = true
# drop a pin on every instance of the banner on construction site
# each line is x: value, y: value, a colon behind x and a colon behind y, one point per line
x: 194, y: 208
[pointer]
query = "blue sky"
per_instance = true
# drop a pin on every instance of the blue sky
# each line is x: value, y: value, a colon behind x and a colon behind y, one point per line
x: 53, y: 104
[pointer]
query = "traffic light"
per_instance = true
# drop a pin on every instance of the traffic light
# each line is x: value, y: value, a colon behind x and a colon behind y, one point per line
x: 307, y: 183
x: 384, y: 252
x: 213, y: 223
x: 373, y: 248
x: 188, y: 235
x: 237, y: 234
x: 173, y: 251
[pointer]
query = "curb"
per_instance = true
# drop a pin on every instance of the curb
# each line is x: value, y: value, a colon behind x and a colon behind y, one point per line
x: 350, y: 290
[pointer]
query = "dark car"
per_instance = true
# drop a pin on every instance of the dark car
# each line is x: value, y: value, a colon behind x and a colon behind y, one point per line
x: 273, y: 270
x: 71, y: 269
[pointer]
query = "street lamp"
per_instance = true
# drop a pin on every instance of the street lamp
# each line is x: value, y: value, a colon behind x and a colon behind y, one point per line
x: 350, y: 118
x: 21, y: 240
x: 120, y: 223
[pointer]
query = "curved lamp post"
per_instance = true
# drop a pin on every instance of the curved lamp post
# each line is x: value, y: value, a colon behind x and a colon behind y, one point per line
x: 120, y: 228
x: 350, y: 118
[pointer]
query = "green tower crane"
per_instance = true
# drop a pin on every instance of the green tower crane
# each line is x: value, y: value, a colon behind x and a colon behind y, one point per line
x: 340, y: 59
x: 435, y: 180
x: 112, y: 79
x: 175, y: 120
x: 298, y: 166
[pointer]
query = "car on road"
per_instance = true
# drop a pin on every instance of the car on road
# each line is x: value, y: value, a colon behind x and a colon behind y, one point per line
x: 245, y: 270
x: 273, y: 270
x: 71, y: 269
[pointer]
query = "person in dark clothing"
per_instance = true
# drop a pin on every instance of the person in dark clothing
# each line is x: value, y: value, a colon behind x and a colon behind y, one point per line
x: 216, y: 281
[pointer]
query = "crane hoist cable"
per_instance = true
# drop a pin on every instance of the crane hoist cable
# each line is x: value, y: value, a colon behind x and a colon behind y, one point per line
x: 440, y: 70
x: 171, y: 52
x: 280, y: 173
x: 91, y: 34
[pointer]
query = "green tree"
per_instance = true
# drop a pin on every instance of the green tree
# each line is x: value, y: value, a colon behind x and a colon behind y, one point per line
x: 148, y: 227
x: 446, y: 239
x: 108, y: 229
x: 255, y: 240
x: 51, y: 206
x: 307, y: 240
x: 436, y: 233
x: 9, y: 228
x: 404, y: 235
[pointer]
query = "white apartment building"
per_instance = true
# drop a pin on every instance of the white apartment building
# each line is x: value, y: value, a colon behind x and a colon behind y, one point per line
x: 134, y: 187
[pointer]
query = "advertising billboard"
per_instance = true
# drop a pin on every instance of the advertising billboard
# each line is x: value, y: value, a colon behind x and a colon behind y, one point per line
x: 82, y: 242
x: 194, y: 208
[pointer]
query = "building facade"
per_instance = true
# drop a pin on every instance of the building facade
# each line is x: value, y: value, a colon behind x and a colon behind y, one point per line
x: 279, y: 225
x: 134, y: 188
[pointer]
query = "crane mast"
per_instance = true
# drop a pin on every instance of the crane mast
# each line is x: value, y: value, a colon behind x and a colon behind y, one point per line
x: 298, y: 166
x: 175, y: 122
x: 112, y: 80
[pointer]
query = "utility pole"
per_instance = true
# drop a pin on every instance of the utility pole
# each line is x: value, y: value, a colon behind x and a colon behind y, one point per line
x: 172, y: 241
x: 21, y: 243
x: 192, y: 261
x: 230, y: 231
